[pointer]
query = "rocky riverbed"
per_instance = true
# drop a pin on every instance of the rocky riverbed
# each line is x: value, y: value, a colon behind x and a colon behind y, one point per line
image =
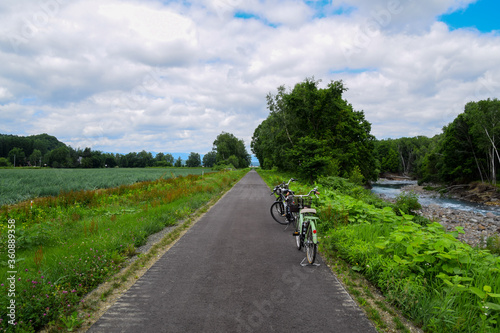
x: 478, y: 227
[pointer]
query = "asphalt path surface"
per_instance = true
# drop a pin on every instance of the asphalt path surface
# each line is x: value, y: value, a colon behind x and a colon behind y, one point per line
x: 236, y: 270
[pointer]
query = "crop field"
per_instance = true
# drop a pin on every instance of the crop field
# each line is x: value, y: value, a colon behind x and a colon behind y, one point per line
x: 21, y: 184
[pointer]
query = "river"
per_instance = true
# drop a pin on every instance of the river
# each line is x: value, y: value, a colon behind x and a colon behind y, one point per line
x: 392, y: 188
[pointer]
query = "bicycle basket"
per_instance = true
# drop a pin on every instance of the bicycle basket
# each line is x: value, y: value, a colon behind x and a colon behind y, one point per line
x: 297, y: 203
x: 292, y: 204
x: 304, y: 202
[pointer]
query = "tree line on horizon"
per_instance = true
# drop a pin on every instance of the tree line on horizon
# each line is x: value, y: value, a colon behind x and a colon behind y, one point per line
x: 46, y: 150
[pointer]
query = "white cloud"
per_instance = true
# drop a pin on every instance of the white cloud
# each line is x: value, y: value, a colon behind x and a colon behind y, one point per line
x: 127, y: 75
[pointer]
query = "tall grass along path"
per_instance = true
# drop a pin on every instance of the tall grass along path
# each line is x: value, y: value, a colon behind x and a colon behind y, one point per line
x: 235, y: 271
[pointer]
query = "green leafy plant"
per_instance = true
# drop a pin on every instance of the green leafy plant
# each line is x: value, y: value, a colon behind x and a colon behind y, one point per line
x: 407, y: 203
x: 72, y: 321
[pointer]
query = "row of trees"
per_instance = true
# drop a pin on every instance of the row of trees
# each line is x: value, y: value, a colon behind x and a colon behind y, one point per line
x: 46, y: 150
x: 465, y: 151
x: 313, y: 132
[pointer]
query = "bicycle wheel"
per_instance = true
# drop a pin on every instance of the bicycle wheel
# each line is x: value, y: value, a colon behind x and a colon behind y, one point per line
x: 278, y: 212
x: 298, y: 241
x: 310, y: 246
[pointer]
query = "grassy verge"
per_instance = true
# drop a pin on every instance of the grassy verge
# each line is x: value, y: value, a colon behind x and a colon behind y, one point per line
x: 437, y: 282
x: 66, y: 246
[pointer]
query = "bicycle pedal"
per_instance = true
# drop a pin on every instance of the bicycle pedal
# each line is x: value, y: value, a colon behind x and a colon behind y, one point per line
x: 295, y: 233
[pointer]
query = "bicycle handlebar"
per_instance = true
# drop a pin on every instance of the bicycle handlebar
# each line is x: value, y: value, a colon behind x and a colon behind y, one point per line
x: 314, y: 191
x: 283, y: 185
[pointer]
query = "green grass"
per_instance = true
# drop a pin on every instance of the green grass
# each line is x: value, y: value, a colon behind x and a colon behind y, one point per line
x: 69, y: 244
x: 21, y: 184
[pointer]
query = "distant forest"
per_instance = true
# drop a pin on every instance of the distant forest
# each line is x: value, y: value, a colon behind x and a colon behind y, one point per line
x: 47, y: 151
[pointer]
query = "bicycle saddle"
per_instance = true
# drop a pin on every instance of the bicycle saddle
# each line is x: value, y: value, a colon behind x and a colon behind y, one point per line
x: 308, y: 210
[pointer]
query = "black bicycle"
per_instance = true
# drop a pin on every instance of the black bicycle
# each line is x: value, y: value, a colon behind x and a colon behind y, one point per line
x: 280, y: 210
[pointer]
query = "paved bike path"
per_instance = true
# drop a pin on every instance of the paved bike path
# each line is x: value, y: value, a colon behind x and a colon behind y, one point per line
x: 235, y: 270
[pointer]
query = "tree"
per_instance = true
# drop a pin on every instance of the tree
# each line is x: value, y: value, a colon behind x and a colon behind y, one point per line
x: 193, y: 160
x: 59, y: 157
x: 164, y: 160
x: 485, y: 125
x: 35, y: 157
x: 227, y: 145
x: 322, y: 116
x: 386, y: 154
x: 178, y: 162
x: 310, y: 158
x: 209, y: 159
x: 17, y: 156
x: 169, y: 159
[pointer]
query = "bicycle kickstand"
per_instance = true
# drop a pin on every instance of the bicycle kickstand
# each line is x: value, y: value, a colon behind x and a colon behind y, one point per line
x: 308, y: 264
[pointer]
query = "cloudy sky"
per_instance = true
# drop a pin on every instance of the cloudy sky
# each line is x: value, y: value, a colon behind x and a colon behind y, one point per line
x: 169, y: 76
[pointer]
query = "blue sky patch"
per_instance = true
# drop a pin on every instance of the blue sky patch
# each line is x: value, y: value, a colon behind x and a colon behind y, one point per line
x: 250, y: 16
x: 325, y: 8
x: 28, y: 101
x: 482, y: 15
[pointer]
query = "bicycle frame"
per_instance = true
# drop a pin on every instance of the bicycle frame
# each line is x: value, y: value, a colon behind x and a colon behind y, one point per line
x: 306, y: 222
x: 305, y: 234
x: 282, y: 192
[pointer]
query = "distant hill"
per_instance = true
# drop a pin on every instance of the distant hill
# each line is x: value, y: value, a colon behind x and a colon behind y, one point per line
x: 43, y: 142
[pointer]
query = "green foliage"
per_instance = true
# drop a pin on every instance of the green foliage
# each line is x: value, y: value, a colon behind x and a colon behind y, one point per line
x: 209, y: 159
x: 223, y: 166
x: 193, y: 160
x: 314, y: 132
x: 4, y: 162
x: 465, y: 151
x: 356, y: 177
x: 72, y: 321
x: 231, y: 150
x: 407, y: 203
x: 493, y: 244
x: 309, y: 155
x: 17, y: 156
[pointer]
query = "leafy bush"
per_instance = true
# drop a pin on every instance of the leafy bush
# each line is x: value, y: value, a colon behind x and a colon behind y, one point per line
x: 493, y: 244
x: 407, y: 203
x: 336, y: 183
x: 223, y: 166
x: 4, y: 162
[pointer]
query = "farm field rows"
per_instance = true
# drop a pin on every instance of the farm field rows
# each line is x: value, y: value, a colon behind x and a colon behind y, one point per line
x: 59, y: 248
x: 21, y: 184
